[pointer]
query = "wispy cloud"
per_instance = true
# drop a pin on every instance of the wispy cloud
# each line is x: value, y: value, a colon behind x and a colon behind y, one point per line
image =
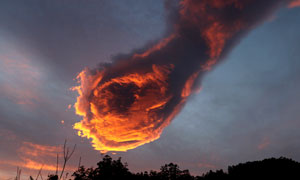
x: 19, y: 80
x: 293, y: 4
x: 264, y: 143
x: 33, y: 156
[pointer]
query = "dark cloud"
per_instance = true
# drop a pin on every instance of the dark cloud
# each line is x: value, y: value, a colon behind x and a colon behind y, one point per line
x: 148, y: 87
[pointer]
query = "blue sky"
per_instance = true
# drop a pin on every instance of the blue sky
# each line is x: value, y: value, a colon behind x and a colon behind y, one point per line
x: 247, y: 109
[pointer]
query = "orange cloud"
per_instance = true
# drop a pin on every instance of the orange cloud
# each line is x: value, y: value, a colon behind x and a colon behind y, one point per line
x: 32, y: 157
x: 129, y: 103
x: 36, y: 150
x: 29, y: 164
x: 293, y: 4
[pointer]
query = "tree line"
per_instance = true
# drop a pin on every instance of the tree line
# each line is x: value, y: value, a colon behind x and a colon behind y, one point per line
x: 109, y: 169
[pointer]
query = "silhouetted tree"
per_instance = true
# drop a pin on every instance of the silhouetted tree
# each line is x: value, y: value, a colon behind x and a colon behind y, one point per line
x: 211, y: 175
x: 84, y: 174
x: 272, y: 168
x: 172, y: 172
x: 109, y: 169
x: 53, y: 177
x: 281, y: 168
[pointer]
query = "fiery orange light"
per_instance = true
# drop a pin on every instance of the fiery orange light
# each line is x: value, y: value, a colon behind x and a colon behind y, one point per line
x: 121, y: 122
x: 129, y: 102
x: 36, y: 156
x: 187, y: 90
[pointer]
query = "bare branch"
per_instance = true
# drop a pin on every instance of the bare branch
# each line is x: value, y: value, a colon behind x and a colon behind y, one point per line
x: 56, y: 164
x: 17, y: 173
x: 65, y: 147
x: 79, y: 162
x: 72, y: 152
x: 39, y: 174
x: 66, y: 176
x: 67, y: 156
x: 18, y: 177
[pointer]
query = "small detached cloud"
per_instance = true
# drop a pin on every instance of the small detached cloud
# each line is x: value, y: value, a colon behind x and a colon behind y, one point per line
x: 264, y: 143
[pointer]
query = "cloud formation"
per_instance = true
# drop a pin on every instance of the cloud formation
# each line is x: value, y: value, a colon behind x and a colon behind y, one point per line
x: 129, y: 102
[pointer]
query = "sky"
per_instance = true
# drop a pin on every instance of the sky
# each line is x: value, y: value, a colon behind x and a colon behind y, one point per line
x: 247, y: 109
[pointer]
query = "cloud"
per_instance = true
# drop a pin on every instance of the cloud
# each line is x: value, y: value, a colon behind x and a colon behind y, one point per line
x: 129, y: 102
x: 32, y: 156
x: 264, y: 144
x: 294, y: 3
x: 20, y: 79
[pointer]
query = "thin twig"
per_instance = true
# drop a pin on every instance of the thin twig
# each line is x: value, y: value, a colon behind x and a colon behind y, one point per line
x: 17, y: 173
x: 67, y: 156
x: 79, y: 162
x: 39, y: 174
x: 56, y: 164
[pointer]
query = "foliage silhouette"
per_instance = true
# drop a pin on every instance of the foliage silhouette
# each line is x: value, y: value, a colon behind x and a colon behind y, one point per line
x: 281, y: 168
x: 109, y: 169
x: 53, y: 177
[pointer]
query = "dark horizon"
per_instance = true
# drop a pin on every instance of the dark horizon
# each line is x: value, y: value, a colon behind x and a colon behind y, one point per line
x: 115, y: 169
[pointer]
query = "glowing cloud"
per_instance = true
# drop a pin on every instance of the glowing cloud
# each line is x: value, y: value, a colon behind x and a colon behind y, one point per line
x: 129, y: 102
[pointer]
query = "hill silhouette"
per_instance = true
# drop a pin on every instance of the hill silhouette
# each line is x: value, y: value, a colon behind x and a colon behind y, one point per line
x: 109, y: 169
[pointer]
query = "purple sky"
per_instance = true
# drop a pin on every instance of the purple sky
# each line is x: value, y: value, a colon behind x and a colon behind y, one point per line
x: 248, y: 108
